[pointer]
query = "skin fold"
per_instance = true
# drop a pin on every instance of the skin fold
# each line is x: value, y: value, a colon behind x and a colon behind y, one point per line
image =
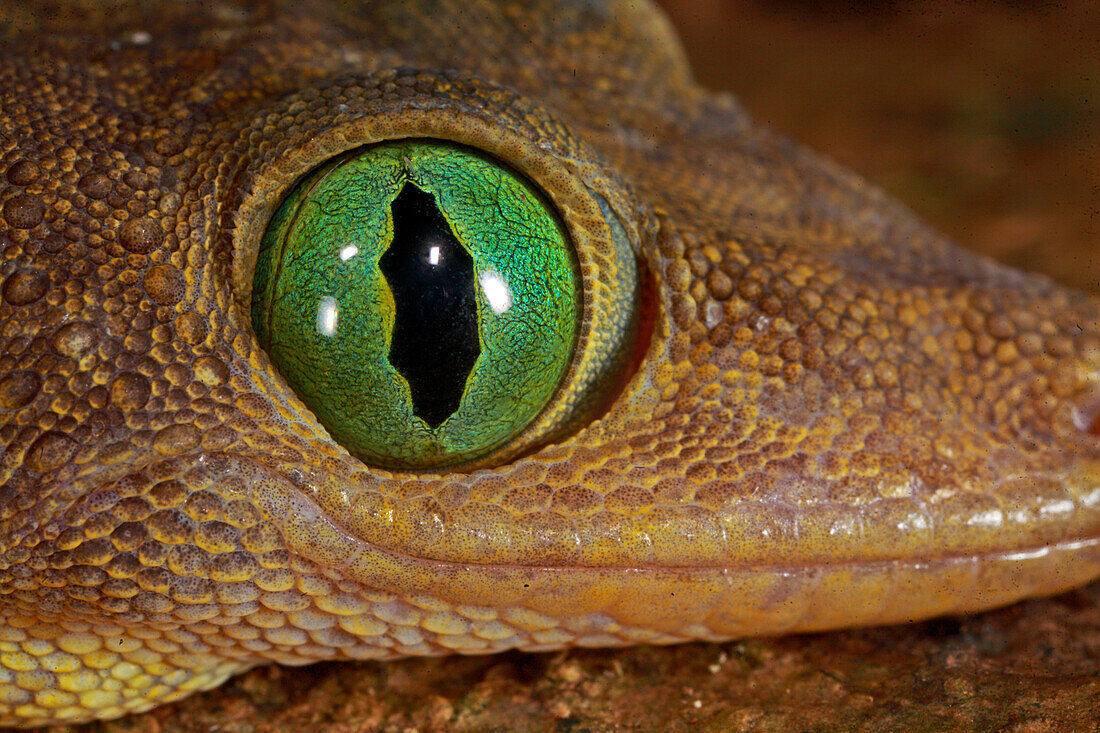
x: 827, y: 415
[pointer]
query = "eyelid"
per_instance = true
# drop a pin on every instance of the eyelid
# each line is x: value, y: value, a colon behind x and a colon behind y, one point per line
x: 600, y: 215
x: 409, y: 104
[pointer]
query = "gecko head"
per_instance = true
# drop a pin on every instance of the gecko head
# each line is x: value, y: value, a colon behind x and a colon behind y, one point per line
x: 767, y: 385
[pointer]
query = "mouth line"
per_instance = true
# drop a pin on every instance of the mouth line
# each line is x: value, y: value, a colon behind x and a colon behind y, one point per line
x: 292, y: 506
x: 1023, y: 553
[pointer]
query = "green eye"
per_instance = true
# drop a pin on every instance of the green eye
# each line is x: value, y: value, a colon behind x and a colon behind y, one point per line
x: 421, y: 298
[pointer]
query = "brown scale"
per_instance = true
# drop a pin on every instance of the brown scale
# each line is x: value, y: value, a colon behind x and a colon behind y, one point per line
x: 836, y: 417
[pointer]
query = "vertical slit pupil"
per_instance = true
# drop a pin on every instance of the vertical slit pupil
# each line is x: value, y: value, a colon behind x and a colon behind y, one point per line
x: 435, y: 338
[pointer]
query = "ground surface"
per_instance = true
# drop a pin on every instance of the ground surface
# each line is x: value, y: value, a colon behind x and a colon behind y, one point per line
x: 983, y: 117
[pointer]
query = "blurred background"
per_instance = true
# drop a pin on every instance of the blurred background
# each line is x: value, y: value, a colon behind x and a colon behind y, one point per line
x: 981, y: 116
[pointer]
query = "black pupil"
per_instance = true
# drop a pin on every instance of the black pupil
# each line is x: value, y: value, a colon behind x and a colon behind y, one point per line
x: 435, y: 339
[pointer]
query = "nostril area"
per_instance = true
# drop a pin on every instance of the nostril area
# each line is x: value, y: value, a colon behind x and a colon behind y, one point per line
x: 1086, y: 414
x: 1087, y: 418
x: 1086, y: 369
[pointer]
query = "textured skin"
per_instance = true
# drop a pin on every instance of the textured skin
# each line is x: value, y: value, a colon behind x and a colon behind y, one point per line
x: 835, y: 417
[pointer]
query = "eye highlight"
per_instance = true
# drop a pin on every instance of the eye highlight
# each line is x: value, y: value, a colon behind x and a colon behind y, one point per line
x: 422, y: 299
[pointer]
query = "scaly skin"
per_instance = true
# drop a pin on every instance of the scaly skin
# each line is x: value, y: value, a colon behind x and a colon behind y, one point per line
x: 834, y: 417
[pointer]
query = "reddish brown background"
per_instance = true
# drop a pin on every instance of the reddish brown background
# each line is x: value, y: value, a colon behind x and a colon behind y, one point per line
x: 983, y: 117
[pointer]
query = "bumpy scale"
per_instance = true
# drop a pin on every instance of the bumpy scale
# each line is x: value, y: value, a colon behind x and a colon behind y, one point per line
x: 831, y: 415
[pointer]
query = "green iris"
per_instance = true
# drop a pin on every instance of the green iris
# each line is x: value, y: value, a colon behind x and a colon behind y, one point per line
x: 420, y: 298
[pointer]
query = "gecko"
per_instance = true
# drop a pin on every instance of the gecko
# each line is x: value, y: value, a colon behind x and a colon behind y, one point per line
x: 781, y: 403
